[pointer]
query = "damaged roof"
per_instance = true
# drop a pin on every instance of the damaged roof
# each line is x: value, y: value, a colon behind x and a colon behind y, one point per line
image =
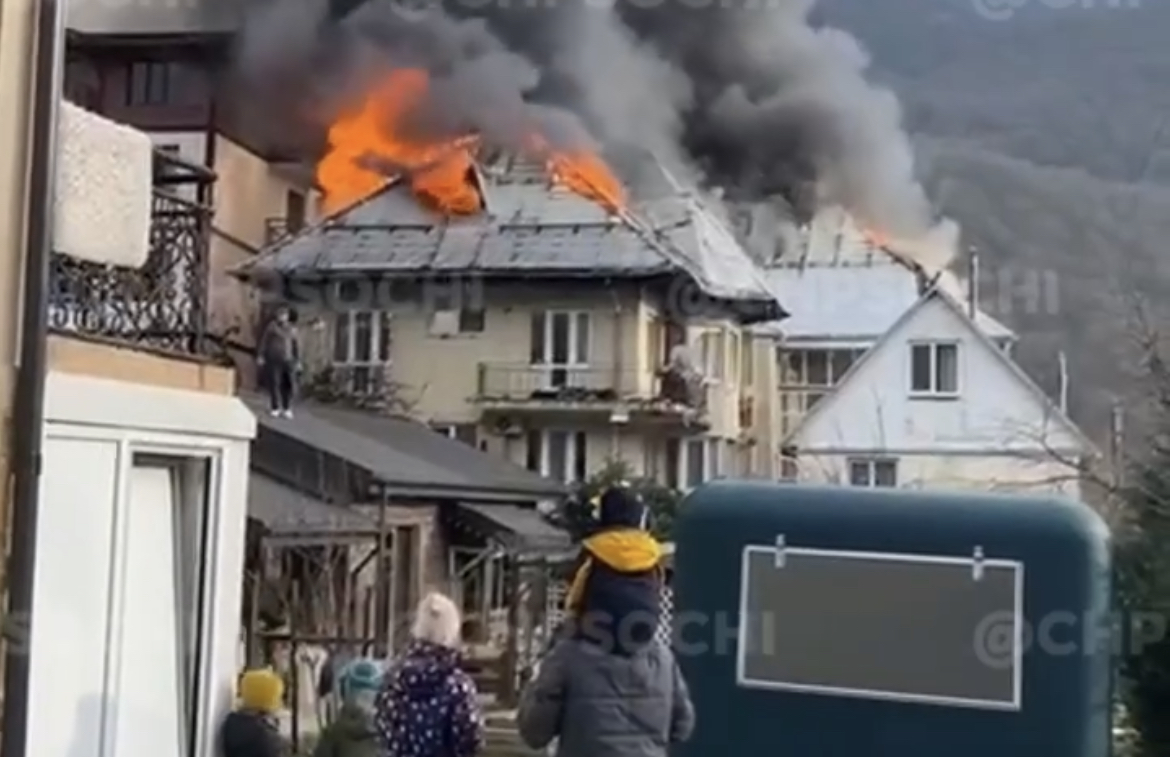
x: 530, y: 227
x: 854, y: 302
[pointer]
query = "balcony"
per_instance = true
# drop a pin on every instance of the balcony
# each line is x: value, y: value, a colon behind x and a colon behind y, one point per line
x: 605, y: 391
x: 161, y: 306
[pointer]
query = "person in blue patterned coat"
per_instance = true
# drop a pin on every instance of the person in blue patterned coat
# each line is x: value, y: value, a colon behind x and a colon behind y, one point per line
x: 428, y: 705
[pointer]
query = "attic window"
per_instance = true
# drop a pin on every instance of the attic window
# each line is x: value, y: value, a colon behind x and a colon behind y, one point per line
x: 934, y: 369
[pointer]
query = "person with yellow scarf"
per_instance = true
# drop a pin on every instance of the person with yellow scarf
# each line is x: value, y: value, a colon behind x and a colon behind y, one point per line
x: 615, y: 594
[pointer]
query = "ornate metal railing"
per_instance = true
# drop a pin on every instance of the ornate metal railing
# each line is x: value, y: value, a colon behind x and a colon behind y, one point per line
x: 163, y: 304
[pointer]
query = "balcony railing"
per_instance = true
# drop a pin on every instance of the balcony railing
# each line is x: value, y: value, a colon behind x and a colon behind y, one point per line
x: 587, y: 385
x: 163, y: 304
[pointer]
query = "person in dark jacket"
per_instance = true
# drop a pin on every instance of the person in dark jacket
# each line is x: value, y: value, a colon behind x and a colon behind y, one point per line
x: 596, y: 703
x: 252, y: 730
x: 279, y: 358
x: 428, y: 706
x: 353, y: 734
x: 615, y: 595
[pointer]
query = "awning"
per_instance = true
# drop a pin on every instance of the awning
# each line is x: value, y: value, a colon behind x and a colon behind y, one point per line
x: 521, y: 531
x: 290, y: 516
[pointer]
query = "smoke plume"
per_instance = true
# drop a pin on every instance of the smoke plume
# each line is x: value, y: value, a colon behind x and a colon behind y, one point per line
x: 749, y: 96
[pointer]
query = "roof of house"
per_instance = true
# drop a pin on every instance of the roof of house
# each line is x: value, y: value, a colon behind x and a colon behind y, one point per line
x: 853, y: 302
x: 940, y: 294
x: 407, y: 457
x: 532, y: 228
x: 291, y: 514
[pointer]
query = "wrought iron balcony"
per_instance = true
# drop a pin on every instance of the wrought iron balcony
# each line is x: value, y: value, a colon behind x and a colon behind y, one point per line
x: 585, y: 386
x: 163, y: 304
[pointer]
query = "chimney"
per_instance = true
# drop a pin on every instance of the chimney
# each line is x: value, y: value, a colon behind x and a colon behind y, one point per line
x: 973, y: 284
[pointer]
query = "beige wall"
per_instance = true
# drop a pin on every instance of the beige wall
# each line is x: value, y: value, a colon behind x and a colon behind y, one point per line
x: 126, y: 364
x: 248, y: 192
x: 440, y: 374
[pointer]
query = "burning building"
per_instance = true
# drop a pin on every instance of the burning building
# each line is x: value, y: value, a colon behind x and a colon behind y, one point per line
x: 535, y: 306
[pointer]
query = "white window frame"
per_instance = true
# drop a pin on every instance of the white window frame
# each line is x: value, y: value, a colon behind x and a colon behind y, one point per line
x: 871, y: 464
x: 381, y: 340
x: 713, y: 462
x: 574, y: 369
x: 576, y: 454
x: 933, y: 391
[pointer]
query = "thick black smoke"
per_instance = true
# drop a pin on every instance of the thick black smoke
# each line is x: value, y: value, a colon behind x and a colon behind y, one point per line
x: 745, y: 94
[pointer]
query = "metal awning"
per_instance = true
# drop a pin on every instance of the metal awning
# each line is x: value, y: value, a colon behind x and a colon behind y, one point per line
x: 293, y: 517
x: 522, y: 531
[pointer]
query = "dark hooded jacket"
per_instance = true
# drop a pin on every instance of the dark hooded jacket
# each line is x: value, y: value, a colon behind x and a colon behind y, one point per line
x: 352, y: 734
x: 615, y: 596
x: 250, y: 733
x: 428, y: 707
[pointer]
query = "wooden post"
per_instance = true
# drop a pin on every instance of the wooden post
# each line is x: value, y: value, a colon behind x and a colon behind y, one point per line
x: 381, y: 586
x: 509, y: 693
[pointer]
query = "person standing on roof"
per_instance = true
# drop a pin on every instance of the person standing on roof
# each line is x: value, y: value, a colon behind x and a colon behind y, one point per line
x: 279, y: 358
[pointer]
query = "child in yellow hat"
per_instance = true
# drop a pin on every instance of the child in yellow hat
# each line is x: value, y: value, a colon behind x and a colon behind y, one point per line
x: 252, y: 730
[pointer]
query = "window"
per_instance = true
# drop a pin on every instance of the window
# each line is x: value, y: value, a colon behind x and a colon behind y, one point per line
x: 560, y: 342
x: 873, y: 472
x: 712, y: 354
x: 361, y: 343
x: 789, y: 466
x: 150, y: 82
x: 816, y: 368
x: 692, y: 462
x: 558, y: 454
x: 463, y: 318
x: 294, y: 211
x: 934, y: 369
x: 162, y: 589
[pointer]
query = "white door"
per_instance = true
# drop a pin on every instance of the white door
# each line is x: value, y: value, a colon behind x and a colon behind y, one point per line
x: 71, y: 598
x: 150, y: 689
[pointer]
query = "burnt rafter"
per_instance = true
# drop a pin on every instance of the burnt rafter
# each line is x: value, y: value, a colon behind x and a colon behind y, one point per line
x: 162, y: 305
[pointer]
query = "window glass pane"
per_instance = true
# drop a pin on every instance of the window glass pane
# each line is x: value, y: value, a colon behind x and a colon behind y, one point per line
x: 947, y: 368
x: 532, y: 461
x: 580, y: 463
x: 885, y: 473
x: 818, y: 368
x: 362, y: 337
x: 672, y: 457
x: 560, y: 338
x: 719, y: 367
x: 558, y: 454
x: 536, y: 353
x: 471, y: 321
x: 920, y: 368
x: 696, y: 472
x: 839, y: 363
x: 384, y: 336
x: 859, y: 473
x: 341, y: 337
x: 793, y: 368
x: 747, y: 370
x: 582, y: 355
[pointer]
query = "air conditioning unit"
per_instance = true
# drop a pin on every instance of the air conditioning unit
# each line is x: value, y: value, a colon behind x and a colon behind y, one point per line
x: 444, y: 323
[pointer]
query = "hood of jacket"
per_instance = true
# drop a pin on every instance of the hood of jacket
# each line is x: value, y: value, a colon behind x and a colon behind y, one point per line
x: 424, y: 669
x: 626, y: 550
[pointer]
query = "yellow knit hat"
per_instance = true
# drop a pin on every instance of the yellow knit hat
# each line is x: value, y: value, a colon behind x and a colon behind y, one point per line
x: 261, y: 689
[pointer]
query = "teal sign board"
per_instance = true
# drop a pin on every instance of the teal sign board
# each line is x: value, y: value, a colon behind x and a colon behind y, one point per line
x: 833, y: 622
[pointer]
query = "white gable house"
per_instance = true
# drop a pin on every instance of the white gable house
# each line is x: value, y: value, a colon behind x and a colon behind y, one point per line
x: 936, y: 403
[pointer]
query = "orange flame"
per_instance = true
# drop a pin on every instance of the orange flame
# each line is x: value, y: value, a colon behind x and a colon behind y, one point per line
x: 370, y: 137
x: 875, y: 238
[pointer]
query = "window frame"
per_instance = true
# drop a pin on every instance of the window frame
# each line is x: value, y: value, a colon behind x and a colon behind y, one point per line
x: 576, y: 457
x: 872, y: 466
x: 149, y: 83
x: 932, y: 391
x: 471, y: 321
x: 380, y: 350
